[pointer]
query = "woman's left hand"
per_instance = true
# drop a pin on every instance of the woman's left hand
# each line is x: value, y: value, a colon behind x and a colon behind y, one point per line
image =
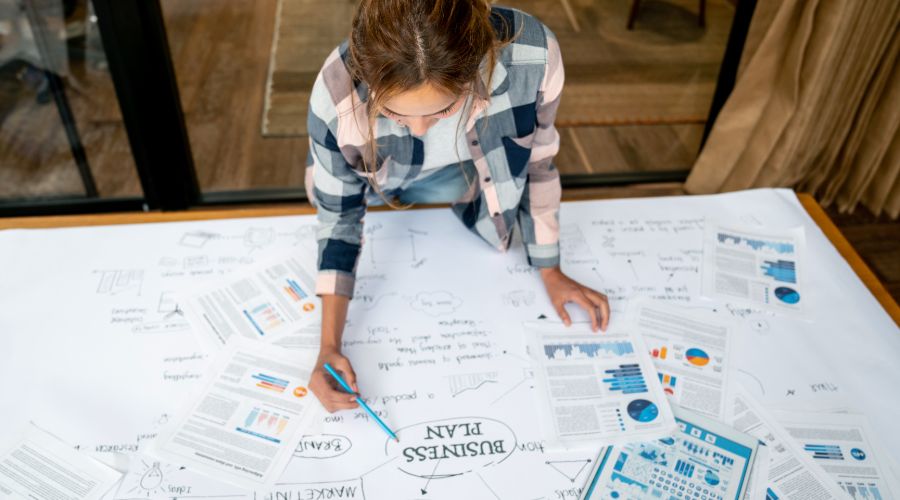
x: 563, y: 289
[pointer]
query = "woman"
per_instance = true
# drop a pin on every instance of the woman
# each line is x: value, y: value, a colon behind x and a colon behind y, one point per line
x: 436, y: 101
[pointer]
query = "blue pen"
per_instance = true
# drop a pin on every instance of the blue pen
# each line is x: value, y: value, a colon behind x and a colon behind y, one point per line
x: 361, y: 402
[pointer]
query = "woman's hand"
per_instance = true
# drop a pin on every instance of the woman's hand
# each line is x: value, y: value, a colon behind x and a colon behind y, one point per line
x: 327, y: 389
x: 563, y: 289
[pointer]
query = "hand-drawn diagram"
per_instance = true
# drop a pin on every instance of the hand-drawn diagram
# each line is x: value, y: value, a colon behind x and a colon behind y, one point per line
x: 169, y: 317
x: 570, y: 469
x: 149, y: 479
x: 120, y: 281
x: 322, y: 446
x: 259, y: 237
x: 438, y: 303
x: 351, y: 489
x: 196, y: 239
x: 519, y: 298
x: 461, y: 445
x: 391, y: 250
x: 463, y: 382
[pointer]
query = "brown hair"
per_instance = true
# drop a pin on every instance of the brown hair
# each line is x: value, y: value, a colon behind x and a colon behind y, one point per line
x: 398, y: 45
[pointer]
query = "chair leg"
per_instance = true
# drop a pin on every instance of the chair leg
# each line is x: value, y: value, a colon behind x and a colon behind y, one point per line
x: 632, y: 14
x: 701, y: 18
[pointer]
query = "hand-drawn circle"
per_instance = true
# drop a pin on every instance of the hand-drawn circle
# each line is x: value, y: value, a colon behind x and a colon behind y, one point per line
x: 642, y: 410
x: 321, y: 446
x: 428, y: 450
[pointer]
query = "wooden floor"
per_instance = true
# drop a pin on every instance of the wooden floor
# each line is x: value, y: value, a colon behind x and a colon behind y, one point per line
x: 221, y: 54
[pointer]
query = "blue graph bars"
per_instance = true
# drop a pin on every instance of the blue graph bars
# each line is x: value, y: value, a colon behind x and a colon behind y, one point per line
x: 684, y: 468
x: 825, y: 451
x: 626, y: 378
x: 755, y: 244
x: 587, y: 350
x: 780, y: 270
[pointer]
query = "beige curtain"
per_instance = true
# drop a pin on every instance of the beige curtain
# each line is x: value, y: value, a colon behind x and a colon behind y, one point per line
x: 816, y: 106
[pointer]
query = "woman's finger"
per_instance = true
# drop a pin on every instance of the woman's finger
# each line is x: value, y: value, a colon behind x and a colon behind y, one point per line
x: 560, y: 306
x: 582, y: 300
x: 342, y: 365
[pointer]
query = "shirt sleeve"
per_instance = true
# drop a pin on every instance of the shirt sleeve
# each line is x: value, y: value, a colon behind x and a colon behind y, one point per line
x: 539, y: 209
x: 338, y: 194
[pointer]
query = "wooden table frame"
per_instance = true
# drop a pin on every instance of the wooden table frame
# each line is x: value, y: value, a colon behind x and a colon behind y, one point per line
x: 809, y: 203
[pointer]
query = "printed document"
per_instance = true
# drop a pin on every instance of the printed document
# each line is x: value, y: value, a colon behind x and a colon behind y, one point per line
x: 844, y: 445
x: 705, y: 459
x: 38, y: 465
x: 762, y: 268
x: 596, y: 387
x: 267, y: 301
x: 246, y: 422
x: 792, y: 475
x: 691, y: 354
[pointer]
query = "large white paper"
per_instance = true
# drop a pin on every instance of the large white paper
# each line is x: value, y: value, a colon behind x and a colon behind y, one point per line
x: 267, y: 301
x: 596, y: 388
x: 434, y: 332
x: 792, y: 475
x: 763, y: 267
x: 705, y: 459
x: 38, y: 465
x: 246, y: 422
x: 847, y: 448
x: 691, y: 353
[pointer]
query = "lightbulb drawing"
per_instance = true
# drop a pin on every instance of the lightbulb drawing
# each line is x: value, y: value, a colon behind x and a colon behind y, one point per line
x: 149, y: 483
x: 153, y: 478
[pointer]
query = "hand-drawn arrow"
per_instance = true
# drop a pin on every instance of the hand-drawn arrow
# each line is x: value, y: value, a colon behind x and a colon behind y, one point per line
x: 424, y: 489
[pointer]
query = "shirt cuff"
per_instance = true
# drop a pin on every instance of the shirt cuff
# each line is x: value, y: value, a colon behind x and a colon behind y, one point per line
x: 332, y: 282
x: 545, y: 255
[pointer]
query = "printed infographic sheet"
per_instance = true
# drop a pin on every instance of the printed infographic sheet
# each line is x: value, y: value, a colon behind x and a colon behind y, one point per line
x: 792, y: 475
x: 847, y: 448
x: 245, y: 424
x: 596, y: 388
x: 760, y: 267
x: 705, y: 460
x: 38, y: 465
x: 267, y: 301
x: 692, y: 355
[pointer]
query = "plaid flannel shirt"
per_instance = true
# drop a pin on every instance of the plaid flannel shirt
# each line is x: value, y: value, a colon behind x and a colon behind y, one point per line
x: 511, y: 137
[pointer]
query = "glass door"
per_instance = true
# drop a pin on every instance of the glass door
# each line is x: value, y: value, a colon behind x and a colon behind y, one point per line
x: 63, y: 140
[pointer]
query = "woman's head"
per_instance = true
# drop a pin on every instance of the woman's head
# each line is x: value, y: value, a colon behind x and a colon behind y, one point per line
x: 420, y: 58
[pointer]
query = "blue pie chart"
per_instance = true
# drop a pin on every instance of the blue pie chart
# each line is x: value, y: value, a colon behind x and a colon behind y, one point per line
x: 787, y: 295
x: 642, y: 410
x: 711, y: 478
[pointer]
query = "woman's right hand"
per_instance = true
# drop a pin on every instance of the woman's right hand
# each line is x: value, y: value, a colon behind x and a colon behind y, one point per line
x: 330, y: 393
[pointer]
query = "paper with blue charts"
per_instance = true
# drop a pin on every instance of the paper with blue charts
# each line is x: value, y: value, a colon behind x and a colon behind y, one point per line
x: 434, y: 332
x: 595, y: 388
x: 705, y: 460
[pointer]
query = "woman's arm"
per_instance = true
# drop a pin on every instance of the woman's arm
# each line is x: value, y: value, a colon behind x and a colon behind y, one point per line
x: 338, y: 194
x: 539, y: 212
x: 334, y: 316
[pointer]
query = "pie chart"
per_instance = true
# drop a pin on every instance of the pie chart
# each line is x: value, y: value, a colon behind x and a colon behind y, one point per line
x: 642, y: 410
x: 787, y: 295
x: 697, y: 356
x: 711, y: 478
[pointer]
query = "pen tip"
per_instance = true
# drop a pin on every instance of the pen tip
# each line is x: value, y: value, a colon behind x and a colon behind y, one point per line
x: 396, y: 439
